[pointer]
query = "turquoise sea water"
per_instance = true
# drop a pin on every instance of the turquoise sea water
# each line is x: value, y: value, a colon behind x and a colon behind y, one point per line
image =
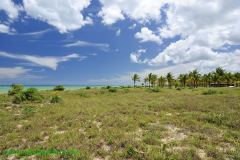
x: 5, y: 88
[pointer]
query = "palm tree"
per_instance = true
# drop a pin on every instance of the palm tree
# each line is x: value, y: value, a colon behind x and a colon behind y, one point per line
x: 135, y: 79
x: 153, y: 80
x: 195, y: 76
x: 237, y: 78
x: 169, y: 79
x: 149, y: 79
x: 229, y: 78
x: 220, y: 75
x: 183, y: 79
x: 145, y: 81
x: 161, y: 81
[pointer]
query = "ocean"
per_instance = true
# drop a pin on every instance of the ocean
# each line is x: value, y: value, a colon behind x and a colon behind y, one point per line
x: 5, y: 88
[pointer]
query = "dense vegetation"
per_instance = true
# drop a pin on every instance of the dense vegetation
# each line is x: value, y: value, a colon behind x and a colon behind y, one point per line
x: 218, y: 78
x: 123, y: 123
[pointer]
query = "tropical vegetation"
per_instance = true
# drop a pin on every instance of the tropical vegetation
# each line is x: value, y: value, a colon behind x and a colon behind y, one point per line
x: 217, y: 78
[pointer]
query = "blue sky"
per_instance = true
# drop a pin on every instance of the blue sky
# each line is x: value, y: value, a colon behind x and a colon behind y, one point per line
x: 106, y: 41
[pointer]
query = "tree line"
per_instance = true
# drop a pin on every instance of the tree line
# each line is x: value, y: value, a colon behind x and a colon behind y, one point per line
x: 217, y: 78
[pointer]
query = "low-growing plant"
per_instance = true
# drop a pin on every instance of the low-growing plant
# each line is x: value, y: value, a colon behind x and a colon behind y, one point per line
x: 113, y: 90
x: 178, y: 88
x: 88, y: 87
x: 56, y: 99
x: 209, y: 92
x: 155, y: 89
x: 18, y: 98
x: 15, y: 89
x: 31, y: 94
x: 108, y: 87
x: 28, y: 111
x: 59, y: 88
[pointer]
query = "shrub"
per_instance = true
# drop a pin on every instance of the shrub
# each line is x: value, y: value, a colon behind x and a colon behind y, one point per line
x: 178, y: 88
x: 155, y: 90
x: 56, y: 99
x: 59, y: 88
x: 15, y: 89
x: 209, y: 92
x: 113, y: 90
x: 18, y: 98
x: 32, y: 94
x: 108, y: 87
x: 88, y: 87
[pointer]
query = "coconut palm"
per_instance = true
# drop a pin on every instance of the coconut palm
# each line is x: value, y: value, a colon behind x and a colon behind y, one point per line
x: 170, y: 79
x: 135, y: 79
x: 161, y: 81
x: 220, y: 75
x: 146, y: 81
x: 228, y: 78
x: 149, y: 79
x: 153, y: 80
x: 183, y: 79
x: 195, y: 77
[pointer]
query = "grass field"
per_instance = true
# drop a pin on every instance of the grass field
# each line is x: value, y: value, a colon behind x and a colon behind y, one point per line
x: 126, y: 123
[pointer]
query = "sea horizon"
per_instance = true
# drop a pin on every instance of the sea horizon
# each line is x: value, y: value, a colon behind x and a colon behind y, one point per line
x: 5, y: 88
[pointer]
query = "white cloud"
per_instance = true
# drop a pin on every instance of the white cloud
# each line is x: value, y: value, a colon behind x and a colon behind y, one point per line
x: 65, y: 15
x: 6, y: 73
x: 10, y: 8
x: 204, y: 27
x: 48, y: 61
x: 118, y: 32
x: 146, y: 35
x: 4, y: 28
x: 139, y: 10
x: 135, y: 56
x: 102, y: 46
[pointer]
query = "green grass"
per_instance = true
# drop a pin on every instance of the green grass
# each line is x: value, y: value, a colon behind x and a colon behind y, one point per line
x: 127, y: 123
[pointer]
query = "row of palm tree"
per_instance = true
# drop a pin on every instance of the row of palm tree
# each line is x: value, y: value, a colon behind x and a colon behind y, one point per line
x: 219, y: 78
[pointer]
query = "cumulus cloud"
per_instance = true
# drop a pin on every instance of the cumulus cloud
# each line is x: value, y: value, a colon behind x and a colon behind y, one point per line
x: 204, y: 27
x: 48, y: 61
x: 139, y: 10
x: 6, y: 73
x: 65, y: 15
x: 102, y: 46
x: 135, y: 56
x: 4, y: 28
x: 10, y: 8
x: 146, y: 35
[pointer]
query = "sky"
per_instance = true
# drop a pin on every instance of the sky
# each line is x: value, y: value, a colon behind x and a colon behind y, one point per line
x: 104, y: 42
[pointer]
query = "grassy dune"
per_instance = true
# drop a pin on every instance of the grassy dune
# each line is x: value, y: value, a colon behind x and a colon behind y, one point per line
x: 131, y: 123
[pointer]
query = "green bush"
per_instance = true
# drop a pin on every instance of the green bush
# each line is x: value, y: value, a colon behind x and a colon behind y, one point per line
x: 31, y: 94
x: 155, y: 89
x: 59, y: 88
x: 113, y: 90
x: 15, y: 89
x: 209, y: 92
x: 108, y: 87
x: 88, y: 87
x: 56, y: 99
x: 19, y: 98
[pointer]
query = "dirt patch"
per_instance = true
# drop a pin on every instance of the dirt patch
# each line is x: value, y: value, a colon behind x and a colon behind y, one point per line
x: 225, y: 147
x: 60, y: 132
x: 201, y: 154
x: 174, y: 134
x: 98, y: 125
